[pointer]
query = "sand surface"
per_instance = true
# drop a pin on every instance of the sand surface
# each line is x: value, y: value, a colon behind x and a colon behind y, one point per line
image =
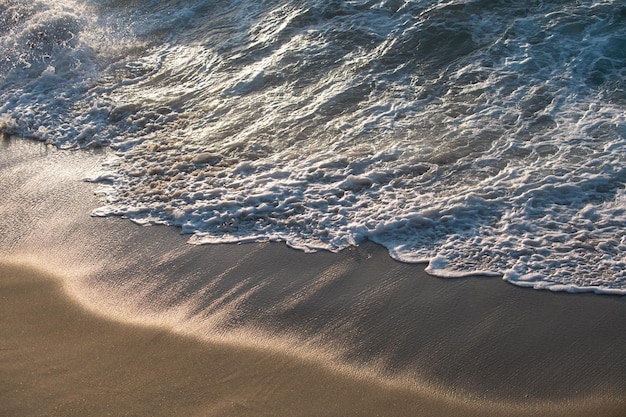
x: 96, y: 312
x: 58, y: 360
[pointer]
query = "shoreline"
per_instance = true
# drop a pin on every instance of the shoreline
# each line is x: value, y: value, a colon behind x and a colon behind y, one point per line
x: 478, y: 346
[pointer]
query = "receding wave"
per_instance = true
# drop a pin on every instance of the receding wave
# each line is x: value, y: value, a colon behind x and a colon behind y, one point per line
x: 477, y: 136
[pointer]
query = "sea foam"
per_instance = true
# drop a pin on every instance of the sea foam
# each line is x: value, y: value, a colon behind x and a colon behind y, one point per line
x: 477, y: 138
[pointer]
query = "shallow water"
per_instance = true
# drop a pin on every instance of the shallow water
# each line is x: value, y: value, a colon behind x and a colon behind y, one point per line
x: 477, y: 136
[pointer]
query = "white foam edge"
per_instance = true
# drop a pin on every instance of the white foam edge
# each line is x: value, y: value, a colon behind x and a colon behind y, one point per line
x: 518, y: 281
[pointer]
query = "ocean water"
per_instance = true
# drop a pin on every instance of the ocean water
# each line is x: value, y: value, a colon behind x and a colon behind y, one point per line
x: 480, y: 137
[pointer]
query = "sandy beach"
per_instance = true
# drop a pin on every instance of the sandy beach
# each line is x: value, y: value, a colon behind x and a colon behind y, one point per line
x: 103, y: 317
x: 60, y: 360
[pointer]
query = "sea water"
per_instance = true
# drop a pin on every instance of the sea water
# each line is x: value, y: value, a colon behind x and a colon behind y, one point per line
x: 480, y: 137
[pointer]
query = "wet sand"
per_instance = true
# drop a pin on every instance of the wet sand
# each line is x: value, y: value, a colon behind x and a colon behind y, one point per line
x: 59, y: 360
x: 108, y: 318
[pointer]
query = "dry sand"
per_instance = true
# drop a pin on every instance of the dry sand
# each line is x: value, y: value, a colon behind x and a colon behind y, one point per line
x: 94, y: 312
